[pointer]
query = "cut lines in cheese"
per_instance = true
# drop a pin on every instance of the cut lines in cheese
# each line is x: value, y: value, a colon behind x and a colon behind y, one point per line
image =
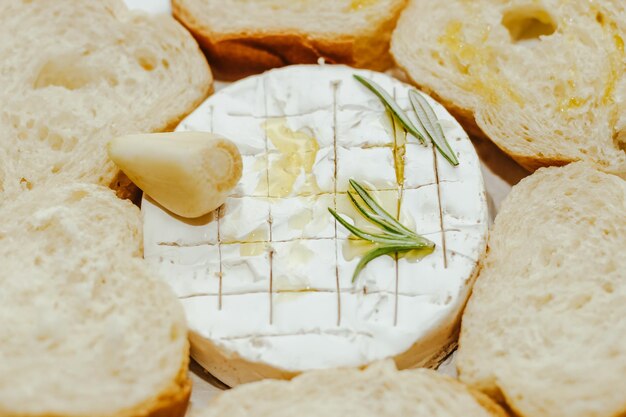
x: 276, y: 250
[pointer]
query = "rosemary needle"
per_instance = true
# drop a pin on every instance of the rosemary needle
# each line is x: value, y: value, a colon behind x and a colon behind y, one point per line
x: 428, y: 120
x: 389, y: 102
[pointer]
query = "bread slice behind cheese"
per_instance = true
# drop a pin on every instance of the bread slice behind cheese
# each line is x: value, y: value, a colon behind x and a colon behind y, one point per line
x: 544, y: 329
x: 243, y: 38
x: 75, y: 74
x: 87, y: 328
x: 544, y: 81
x: 379, y: 390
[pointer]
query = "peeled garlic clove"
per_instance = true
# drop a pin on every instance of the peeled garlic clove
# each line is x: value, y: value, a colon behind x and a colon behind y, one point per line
x: 188, y: 173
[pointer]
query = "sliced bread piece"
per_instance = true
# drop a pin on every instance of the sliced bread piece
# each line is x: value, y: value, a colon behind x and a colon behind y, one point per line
x: 74, y: 74
x: 87, y: 329
x: 543, y: 80
x: 248, y: 37
x: 379, y: 390
x: 544, y: 330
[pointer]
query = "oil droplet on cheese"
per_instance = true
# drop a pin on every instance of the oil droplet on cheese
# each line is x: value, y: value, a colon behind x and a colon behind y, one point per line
x: 252, y: 249
x: 285, y: 296
x: 296, y: 156
x: 292, y: 286
x: 397, y: 132
x: 254, y: 243
x: 414, y: 256
x: 388, y: 200
x: 353, y: 248
x: 257, y: 235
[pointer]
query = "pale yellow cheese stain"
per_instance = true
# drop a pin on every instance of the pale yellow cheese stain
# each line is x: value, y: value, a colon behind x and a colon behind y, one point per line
x: 252, y: 249
x: 387, y: 199
x: 300, y: 220
x: 352, y: 248
x: 254, y: 244
x: 289, y: 288
x: 297, y: 152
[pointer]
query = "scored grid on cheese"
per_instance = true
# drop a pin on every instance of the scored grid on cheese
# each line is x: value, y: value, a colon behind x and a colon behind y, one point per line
x: 297, y: 288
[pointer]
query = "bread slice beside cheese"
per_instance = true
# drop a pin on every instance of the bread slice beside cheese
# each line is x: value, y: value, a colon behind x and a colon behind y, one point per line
x: 544, y: 329
x: 543, y: 80
x: 88, y: 329
x: 75, y: 74
x: 379, y: 390
x: 243, y: 38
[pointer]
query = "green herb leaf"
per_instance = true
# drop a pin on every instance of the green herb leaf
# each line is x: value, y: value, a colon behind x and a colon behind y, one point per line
x: 373, y: 205
x: 385, y: 250
x: 390, y: 103
x: 428, y: 119
x: 375, y: 238
x: 394, y: 237
x: 375, y: 219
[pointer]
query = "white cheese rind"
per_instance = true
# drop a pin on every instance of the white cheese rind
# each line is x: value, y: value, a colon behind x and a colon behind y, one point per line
x: 289, y: 304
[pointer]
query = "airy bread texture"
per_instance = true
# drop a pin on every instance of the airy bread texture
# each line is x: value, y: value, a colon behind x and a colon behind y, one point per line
x: 544, y: 80
x: 379, y: 390
x: 544, y: 330
x: 248, y: 37
x: 87, y: 329
x: 74, y: 74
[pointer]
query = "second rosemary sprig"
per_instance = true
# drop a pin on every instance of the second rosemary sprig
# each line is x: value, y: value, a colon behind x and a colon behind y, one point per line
x: 425, y: 116
x: 392, y: 238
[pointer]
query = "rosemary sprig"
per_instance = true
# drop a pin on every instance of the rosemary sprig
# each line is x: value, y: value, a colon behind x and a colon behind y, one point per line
x: 425, y: 116
x: 428, y: 119
x: 390, y: 103
x: 393, y: 238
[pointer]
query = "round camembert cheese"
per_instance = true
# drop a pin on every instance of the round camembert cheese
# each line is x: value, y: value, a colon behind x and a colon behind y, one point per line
x: 266, y: 280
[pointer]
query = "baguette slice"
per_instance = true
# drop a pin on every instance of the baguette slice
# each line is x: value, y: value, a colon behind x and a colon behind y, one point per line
x: 74, y: 74
x: 544, y: 330
x: 543, y: 80
x: 87, y: 330
x: 244, y: 38
x: 379, y: 390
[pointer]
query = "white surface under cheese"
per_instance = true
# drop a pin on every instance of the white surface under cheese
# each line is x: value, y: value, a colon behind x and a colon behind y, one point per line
x: 269, y: 278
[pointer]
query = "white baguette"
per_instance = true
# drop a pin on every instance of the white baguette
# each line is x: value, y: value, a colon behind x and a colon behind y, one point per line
x: 87, y: 330
x: 543, y: 80
x: 544, y: 330
x: 377, y: 391
x: 74, y: 74
x: 243, y: 38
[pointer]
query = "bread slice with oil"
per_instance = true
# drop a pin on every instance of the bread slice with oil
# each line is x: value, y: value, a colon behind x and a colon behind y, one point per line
x: 87, y: 329
x: 379, y: 390
x: 543, y: 80
x: 74, y: 74
x: 243, y: 38
x: 544, y: 330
